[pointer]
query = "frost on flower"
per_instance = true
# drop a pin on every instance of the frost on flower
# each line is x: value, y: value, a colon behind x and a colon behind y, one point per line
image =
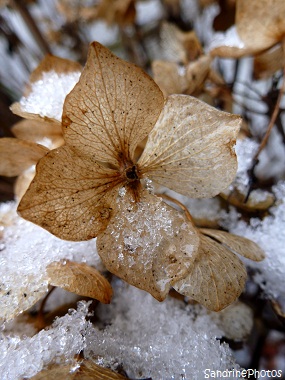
x: 77, y: 188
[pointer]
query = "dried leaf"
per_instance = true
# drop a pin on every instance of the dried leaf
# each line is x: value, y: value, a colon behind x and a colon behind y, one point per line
x: 260, y: 23
x: 71, y: 195
x: 79, y: 278
x: 18, y: 155
x: 190, y: 149
x: 217, y: 277
x: 148, y: 244
x: 37, y: 131
x: 112, y: 108
x: 238, y: 244
x: 87, y: 370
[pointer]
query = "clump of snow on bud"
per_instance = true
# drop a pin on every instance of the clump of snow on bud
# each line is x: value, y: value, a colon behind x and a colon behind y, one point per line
x: 48, y: 94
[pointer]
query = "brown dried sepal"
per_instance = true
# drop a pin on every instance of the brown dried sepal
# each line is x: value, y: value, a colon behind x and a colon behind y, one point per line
x: 18, y: 155
x: 81, y: 279
x: 191, y: 148
x: 217, y: 277
x: 253, y: 204
x: 239, y: 244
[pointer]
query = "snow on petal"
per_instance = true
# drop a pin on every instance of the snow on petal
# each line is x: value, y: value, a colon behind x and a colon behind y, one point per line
x: 148, y: 244
x: 190, y: 149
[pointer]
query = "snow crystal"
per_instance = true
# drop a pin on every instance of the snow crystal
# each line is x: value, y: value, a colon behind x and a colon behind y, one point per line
x: 26, y: 357
x: 48, y: 94
x: 28, y: 249
x: 158, y: 340
x: 269, y: 234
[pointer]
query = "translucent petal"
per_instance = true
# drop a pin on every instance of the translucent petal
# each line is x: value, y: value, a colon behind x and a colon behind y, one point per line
x: 238, y: 244
x: 71, y: 196
x: 81, y: 279
x: 111, y: 109
x: 190, y: 149
x: 148, y: 244
x: 217, y: 277
x: 18, y: 155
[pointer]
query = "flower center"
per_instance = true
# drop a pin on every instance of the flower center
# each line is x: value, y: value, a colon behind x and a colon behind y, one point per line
x: 132, y: 174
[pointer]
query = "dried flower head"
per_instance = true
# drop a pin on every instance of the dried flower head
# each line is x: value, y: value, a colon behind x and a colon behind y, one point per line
x: 94, y: 186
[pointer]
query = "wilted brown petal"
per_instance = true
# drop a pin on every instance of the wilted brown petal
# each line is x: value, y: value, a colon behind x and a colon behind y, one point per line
x: 148, y: 244
x: 79, y: 278
x: 18, y: 155
x: 86, y: 371
x: 37, y: 131
x: 217, y: 277
x: 260, y: 23
x: 238, y: 244
x: 111, y: 109
x: 71, y: 196
x: 190, y: 150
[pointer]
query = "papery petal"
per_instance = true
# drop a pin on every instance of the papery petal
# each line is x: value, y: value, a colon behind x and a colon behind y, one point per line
x: 190, y: 149
x: 18, y: 155
x: 79, y: 278
x: 238, y: 244
x: 111, y: 109
x: 217, y: 277
x: 148, y: 244
x: 71, y: 196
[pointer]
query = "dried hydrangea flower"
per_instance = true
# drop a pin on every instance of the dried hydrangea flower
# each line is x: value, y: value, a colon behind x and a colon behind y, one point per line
x: 93, y: 186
